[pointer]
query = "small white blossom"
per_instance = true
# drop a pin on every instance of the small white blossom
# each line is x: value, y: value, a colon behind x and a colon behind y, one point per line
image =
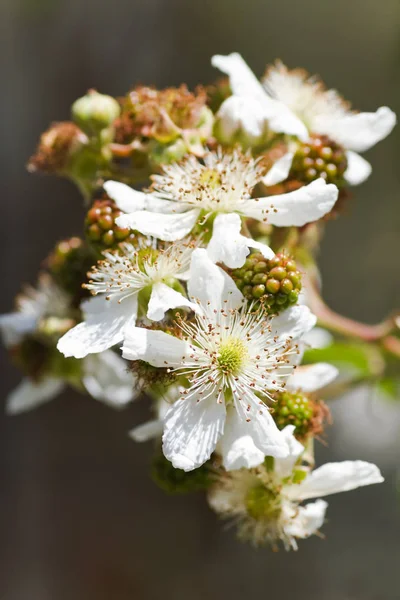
x: 34, y: 304
x: 232, y: 359
x: 104, y: 377
x: 265, y: 502
x: 217, y: 193
x: 291, y: 102
x: 116, y: 283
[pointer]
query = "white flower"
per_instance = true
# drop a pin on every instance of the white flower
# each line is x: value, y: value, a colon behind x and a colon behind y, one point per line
x: 104, y: 376
x: 250, y: 104
x: 116, y: 283
x: 231, y: 358
x: 217, y: 193
x: 34, y: 304
x: 265, y: 502
x: 291, y: 102
x: 239, y: 451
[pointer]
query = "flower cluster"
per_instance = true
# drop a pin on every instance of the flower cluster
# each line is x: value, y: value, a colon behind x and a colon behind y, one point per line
x: 200, y: 289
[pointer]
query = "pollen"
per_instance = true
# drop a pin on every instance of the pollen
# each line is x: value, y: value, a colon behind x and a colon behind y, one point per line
x: 232, y: 356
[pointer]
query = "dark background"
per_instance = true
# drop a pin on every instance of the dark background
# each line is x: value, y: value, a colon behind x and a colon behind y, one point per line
x: 79, y: 517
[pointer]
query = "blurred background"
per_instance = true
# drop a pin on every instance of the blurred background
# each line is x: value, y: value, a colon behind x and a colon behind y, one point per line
x: 79, y: 516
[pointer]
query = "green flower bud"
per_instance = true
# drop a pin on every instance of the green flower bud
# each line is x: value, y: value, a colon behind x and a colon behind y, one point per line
x: 177, y: 481
x: 94, y: 112
x: 275, y: 283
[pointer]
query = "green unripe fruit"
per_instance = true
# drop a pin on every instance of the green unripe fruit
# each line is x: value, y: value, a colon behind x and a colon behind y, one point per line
x: 94, y: 112
x: 286, y: 286
x: 273, y: 286
x: 258, y: 290
x: 100, y: 227
x: 319, y: 157
x: 274, y: 283
x: 260, y: 278
x: 305, y: 412
x: 278, y: 273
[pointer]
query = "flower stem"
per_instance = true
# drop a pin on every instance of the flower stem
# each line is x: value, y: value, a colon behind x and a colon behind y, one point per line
x: 337, y: 323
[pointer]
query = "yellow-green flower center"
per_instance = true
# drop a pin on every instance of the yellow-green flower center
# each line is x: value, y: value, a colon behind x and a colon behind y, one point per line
x: 211, y: 178
x: 232, y: 356
x: 146, y: 257
x: 263, y: 503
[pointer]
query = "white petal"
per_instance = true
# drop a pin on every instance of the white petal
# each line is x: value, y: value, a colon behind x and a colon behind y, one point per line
x: 104, y: 326
x: 236, y: 445
x: 228, y: 245
x: 265, y: 250
x: 191, y: 431
x: 242, y: 80
x: 106, y: 378
x: 130, y: 200
x: 244, y: 83
x: 284, y: 466
x: 210, y: 285
x: 162, y: 299
x: 293, y: 322
x: 238, y: 115
x: 308, y: 520
x: 28, y: 395
x: 167, y: 227
x: 147, y: 431
x: 310, y: 378
x: 279, y: 170
x: 308, y: 203
x: 318, y: 337
x: 336, y: 477
x: 155, y: 347
x: 262, y: 428
x: 126, y: 198
x: 358, y: 169
x: 223, y: 500
x: 359, y: 131
x: 15, y: 325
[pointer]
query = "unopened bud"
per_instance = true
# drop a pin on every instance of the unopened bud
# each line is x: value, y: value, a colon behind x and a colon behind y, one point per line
x: 94, y: 112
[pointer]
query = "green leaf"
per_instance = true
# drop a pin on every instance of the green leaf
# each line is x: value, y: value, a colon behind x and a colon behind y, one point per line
x: 364, y: 360
x: 389, y: 387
